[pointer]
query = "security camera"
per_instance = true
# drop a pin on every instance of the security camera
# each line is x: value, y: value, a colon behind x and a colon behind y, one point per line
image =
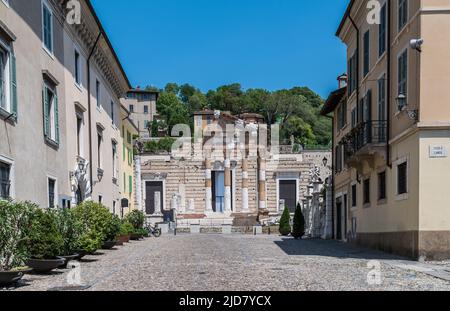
x: 416, y: 44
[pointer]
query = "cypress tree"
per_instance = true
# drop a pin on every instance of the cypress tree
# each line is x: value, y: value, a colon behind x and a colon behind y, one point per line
x: 285, y: 223
x: 299, y: 223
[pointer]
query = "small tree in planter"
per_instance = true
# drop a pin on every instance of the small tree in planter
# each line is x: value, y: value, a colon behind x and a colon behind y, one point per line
x: 45, y: 239
x: 45, y: 242
x: 14, y: 229
x: 285, y: 222
x: 92, y: 218
x: 136, y: 218
x: 70, y: 231
x: 299, y: 223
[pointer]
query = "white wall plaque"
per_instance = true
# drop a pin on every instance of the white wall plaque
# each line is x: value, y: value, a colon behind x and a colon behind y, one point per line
x: 438, y: 152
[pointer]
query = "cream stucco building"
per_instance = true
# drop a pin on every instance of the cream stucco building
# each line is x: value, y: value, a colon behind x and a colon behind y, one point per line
x: 60, y: 141
x: 392, y: 129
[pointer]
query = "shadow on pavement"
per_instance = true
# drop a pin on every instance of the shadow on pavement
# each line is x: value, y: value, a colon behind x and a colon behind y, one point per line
x: 312, y: 247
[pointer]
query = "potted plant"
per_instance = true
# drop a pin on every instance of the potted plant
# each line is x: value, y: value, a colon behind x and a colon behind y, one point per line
x: 126, y: 229
x: 285, y: 223
x: 137, y: 219
x: 138, y: 234
x: 14, y: 224
x: 45, y: 242
x: 70, y: 231
x: 90, y: 217
x: 112, y: 229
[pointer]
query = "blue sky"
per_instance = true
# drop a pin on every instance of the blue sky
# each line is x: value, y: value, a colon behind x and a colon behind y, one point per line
x: 269, y: 44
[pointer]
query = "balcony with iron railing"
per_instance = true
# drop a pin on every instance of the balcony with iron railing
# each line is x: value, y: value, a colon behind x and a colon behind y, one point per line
x: 364, y: 141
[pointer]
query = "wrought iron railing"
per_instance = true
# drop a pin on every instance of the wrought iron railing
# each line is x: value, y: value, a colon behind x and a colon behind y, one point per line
x: 366, y: 133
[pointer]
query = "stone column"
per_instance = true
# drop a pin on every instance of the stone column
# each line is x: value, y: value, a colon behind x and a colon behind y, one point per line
x: 262, y: 184
x: 208, y: 187
x: 227, y: 185
x: 245, y: 185
x: 138, y: 201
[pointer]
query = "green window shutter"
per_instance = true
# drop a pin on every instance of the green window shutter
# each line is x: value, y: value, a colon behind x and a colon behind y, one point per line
x: 124, y: 182
x: 46, y: 116
x: 56, y: 119
x: 130, y: 183
x: 124, y: 154
x: 13, y: 77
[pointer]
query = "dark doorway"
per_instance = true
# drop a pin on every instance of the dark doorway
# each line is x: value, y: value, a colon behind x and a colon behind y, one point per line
x: 288, y: 193
x: 339, y: 220
x: 152, y: 188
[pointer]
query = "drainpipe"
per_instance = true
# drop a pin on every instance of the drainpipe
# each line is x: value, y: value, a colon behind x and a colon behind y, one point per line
x: 389, y: 88
x: 357, y: 63
x: 91, y: 175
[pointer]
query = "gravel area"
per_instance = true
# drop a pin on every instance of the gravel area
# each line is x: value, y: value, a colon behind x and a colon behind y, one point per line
x: 236, y: 262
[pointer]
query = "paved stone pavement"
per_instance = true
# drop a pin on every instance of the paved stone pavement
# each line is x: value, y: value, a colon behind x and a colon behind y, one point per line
x: 238, y: 262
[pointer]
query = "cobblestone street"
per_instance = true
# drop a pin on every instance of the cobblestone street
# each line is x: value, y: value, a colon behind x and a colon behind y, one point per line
x: 237, y: 262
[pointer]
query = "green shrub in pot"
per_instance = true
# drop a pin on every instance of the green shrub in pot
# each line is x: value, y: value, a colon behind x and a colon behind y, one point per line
x: 136, y: 218
x: 92, y: 219
x: 112, y: 228
x: 126, y: 228
x: 45, y: 241
x: 69, y: 228
x: 14, y: 230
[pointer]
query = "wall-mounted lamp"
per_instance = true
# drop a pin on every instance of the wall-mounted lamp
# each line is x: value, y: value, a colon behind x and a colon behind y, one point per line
x: 402, y: 104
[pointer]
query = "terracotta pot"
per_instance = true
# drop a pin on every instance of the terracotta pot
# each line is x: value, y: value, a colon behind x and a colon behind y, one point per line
x: 123, y: 239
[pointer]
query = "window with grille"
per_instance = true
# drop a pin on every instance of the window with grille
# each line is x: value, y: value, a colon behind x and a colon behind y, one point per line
x: 5, y: 182
x: 403, y: 74
x: 367, y: 191
x: 402, y: 14
x: 51, y: 192
x: 382, y: 31
x: 402, y: 178
x: 382, y: 186
x: 354, y: 196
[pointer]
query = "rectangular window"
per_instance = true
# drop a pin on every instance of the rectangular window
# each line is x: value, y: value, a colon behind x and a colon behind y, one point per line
x: 79, y: 135
x: 112, y: 112
x: 100, y: 199
x: 354, y: 196
x: 366, y: 53
x: 382, y: 31
x: 402, y: 14
x: 402, y: 178
x: 352, y: 73
x: 51, y: 193
x: 354, y: 118
x: 97, y: 93
x: 51, y: 118
x: 99, y: 150
x: 5, y: 182
x: 146, y: 124
x: 366, y: 193
x: 338, y: 158
x: 382, y: 186
x: 77, y: 68
x: 145, y: 109
x: 382, y: 116
x: 114, y: 161
x: 132, y: 108
x: 47, y: 27
x: 403, y: 74
x: 4, y: 103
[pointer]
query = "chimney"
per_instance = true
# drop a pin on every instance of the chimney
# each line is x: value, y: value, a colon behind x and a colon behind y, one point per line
x: 342, y: 80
